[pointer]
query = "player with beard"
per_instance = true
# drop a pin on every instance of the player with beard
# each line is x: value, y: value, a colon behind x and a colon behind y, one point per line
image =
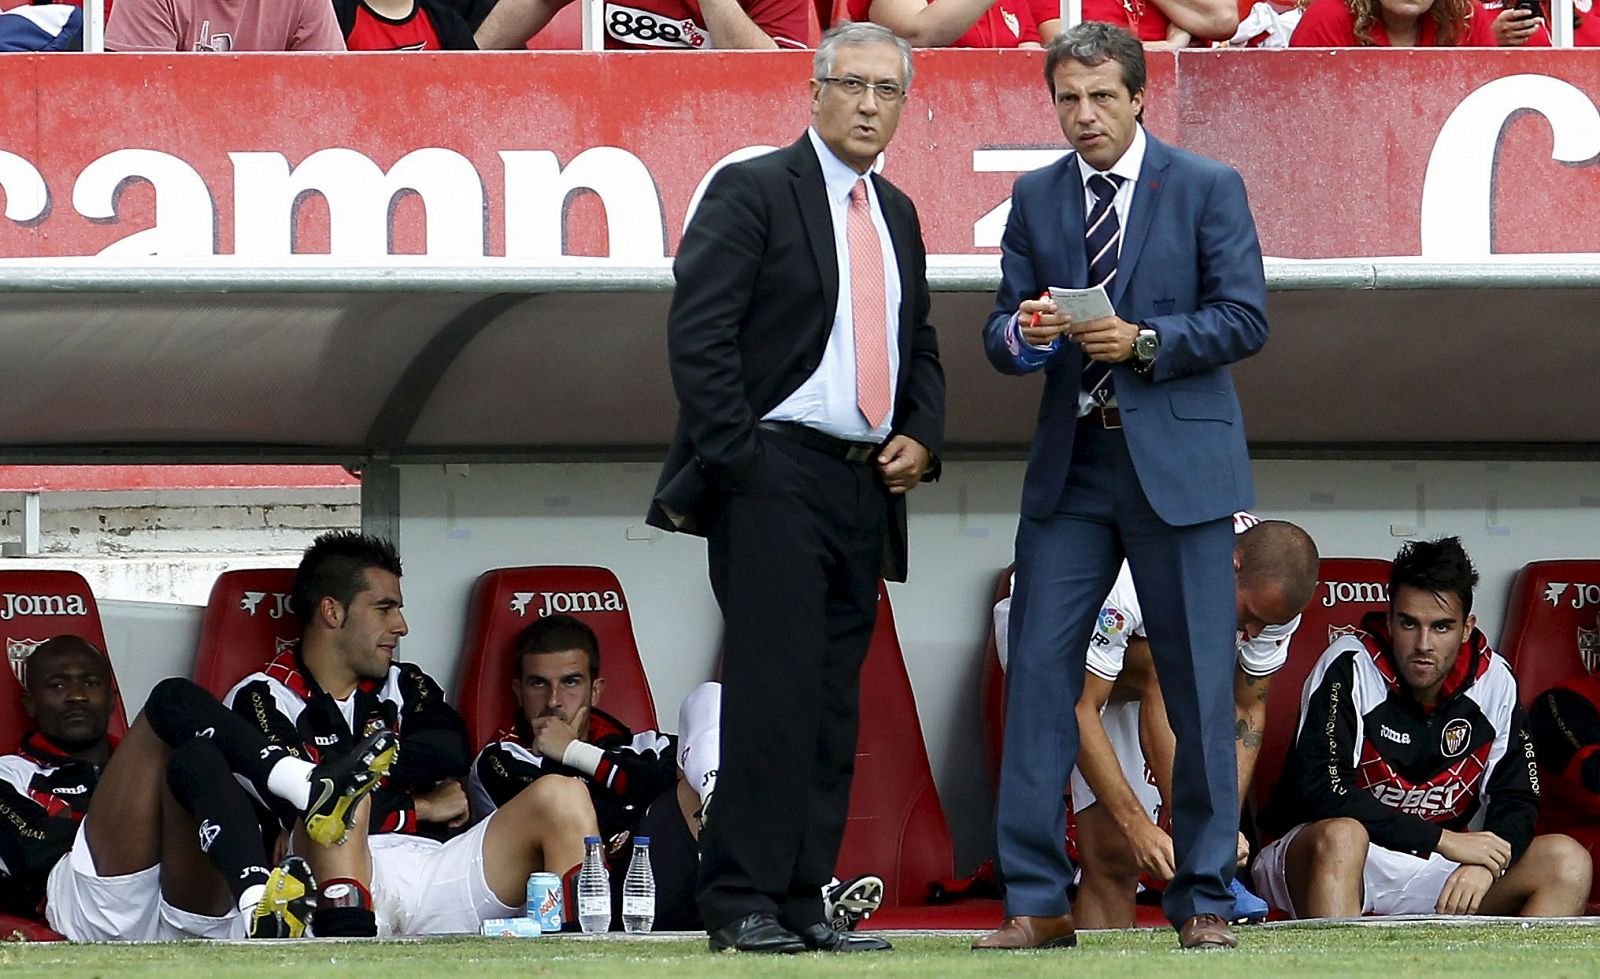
x: 1412, y: 785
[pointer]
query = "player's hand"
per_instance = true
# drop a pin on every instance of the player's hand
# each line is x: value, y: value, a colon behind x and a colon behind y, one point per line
x: 445, y: 803
x: 1242, y: 850
x: 1482, y: 849
x: 1514, y: 26
x: 1465, y: 889
x: 902, y: 463
x: 1108, y: 339
x: 1040, y: 321
x: 1153, y: 849
x: 551, y: 734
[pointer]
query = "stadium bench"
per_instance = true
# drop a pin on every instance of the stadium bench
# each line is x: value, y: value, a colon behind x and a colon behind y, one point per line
x: 247, y: 622
x: 1349, y: 588
x: 41, y: 605
x: 507, y: 600
x: 896, y: 826
x: 1552, y: 627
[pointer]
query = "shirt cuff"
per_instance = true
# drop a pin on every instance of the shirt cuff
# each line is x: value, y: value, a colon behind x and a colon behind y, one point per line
x: 1022, y: 350
x: 583, y: 756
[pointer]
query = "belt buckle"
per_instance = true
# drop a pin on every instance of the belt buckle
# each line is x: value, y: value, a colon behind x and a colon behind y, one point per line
x: 859, y: 452
x: 1110, y: 418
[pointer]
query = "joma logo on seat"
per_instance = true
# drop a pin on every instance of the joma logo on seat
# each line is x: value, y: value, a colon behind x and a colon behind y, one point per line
x: 13, y: 605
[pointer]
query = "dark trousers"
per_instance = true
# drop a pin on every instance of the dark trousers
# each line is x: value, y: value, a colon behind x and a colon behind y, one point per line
x: 1184, y: 577
x: 794, y: 560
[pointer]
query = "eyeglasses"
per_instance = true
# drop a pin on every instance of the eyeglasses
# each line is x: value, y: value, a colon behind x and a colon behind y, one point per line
x: 856, y: 87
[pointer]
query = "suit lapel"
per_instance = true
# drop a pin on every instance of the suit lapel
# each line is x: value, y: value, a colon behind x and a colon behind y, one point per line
x: 1069, y: 191
x: 1146, y: 198
x: 811, y: 198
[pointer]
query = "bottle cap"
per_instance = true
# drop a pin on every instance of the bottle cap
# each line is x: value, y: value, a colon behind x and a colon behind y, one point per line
x: 587, y: 840
x: 641, y: 841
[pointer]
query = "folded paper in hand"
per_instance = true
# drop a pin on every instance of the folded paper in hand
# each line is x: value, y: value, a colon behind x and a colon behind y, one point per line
x: 1083, y: 305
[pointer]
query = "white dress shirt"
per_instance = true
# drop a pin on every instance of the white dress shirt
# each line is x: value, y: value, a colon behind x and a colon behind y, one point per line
x: 827, y: 399
x: 1126, y: 167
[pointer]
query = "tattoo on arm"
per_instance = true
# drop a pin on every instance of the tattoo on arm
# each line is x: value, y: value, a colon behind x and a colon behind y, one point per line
x: 1248, y: 736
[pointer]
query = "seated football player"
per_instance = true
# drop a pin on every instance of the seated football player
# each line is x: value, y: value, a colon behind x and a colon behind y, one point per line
x: 391, y: 876
x: 638, y: 783
x: 1125, y: 756
x: 1411, y: 786
x: 155, y: 840
x: 1565, y: 724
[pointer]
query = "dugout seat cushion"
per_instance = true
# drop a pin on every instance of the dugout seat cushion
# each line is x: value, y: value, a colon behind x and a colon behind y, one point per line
x: 1552, y: 625
x: 506, y: 601
x: 247, y: 622
x: 1348, y: 589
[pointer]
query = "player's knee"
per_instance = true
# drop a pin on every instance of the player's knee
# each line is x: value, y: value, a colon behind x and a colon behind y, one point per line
x: 1563, y: 862
x: 1336, y: 842
x: 558, y: 798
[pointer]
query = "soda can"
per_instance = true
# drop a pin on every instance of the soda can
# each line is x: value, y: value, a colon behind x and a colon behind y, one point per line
x: 512, y: 928
x: 544, y: 901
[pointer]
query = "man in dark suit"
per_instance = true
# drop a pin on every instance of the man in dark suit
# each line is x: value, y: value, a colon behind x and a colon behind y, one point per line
x: 810, y: 400
x: 1139, y: 454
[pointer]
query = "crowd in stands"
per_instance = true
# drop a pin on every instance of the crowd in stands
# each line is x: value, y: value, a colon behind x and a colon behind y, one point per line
x: 660, y: 25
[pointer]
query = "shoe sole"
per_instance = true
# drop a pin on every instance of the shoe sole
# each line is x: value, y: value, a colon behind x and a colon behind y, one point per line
x: 283, y: 890
x: 330, y: 828
x: 857, y: 900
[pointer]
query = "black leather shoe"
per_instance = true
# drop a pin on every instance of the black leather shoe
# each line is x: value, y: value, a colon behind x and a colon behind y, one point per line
x: 821, y: 938
x: 758, y: 932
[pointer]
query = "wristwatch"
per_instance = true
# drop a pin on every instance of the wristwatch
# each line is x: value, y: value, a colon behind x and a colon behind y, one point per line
x: 1145, y: 347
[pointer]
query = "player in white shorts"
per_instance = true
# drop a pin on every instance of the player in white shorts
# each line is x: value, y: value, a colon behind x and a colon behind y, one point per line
x: 1126, y: 746
x: 1412, y: 786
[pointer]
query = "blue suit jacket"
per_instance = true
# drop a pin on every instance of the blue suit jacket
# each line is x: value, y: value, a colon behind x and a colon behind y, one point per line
x: 1190, y: 268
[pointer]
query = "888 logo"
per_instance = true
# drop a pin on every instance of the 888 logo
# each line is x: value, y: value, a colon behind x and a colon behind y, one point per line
x: 631, y: 25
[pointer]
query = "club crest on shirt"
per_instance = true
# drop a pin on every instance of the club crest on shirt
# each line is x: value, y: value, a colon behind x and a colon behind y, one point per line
x: 1454, y: 738
x: 17, y: 653
x: 1012, y: 24
x: 1112, y: 621
x: 1589, y: 647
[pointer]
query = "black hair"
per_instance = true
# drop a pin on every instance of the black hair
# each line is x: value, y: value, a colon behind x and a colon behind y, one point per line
x: 1093, y: 43
x: 335, y: 566
x: 556, y: 634
x: 1435, y: 566
x: 62, y: 646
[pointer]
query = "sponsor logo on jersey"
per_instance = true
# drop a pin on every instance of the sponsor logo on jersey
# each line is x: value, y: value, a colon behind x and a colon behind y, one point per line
x: 17, y: 653
x: 13, y: 605
x: 278, y: 608
x: 1398, y: 737
x: 648, y: 28
x: 552, y: 602
x: 326, y: 739
x: 1430, y: 801
x: 70, y: 789
x: 1589, y: 647
x: 1364, y: 592
x: 1453, y: 740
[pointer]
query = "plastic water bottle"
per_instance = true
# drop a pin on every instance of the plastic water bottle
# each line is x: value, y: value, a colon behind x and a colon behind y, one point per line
x: 594, y: 889
x: 639, y: 890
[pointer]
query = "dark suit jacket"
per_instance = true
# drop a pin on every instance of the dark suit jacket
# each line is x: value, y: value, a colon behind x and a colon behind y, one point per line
x: 1190, y: 268
x: 757, y: 286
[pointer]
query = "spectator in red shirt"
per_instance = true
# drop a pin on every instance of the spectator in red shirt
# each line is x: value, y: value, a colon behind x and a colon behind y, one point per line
x: 402, y: 25
x: 223, y: 25
x: 655, y: 25
x: 1517, y: 26
x: 1162, y: 25
x: 953, y: 23
x: 1394, y: 23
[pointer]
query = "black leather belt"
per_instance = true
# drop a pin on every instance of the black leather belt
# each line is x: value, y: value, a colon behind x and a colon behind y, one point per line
x: 1103, y: 417
x: 826, y: 444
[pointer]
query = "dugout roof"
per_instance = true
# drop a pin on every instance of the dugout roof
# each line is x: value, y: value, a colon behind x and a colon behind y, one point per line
x: 406, y: 361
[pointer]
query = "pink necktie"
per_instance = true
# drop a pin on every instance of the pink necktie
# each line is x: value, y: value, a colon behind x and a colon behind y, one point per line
x: 867, y: 308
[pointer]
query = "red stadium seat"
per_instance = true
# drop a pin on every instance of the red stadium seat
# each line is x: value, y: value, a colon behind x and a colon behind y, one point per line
x: 247, y: 622
x: 36, y: 606
x: 506, y: 601
x: 1552, y: 628
x: 1349, y: 589
x: 896, y: 827
x: 992, y: 688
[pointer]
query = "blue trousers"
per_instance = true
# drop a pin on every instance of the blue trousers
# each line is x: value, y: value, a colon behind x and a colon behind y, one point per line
x: 1184, y: 578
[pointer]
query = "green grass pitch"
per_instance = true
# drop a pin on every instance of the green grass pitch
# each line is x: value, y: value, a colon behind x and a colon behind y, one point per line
x: 1436, y: 951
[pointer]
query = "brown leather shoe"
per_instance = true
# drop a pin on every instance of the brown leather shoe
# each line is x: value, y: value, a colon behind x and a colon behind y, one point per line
x: 1206, y: 931
x: 1027, y: 931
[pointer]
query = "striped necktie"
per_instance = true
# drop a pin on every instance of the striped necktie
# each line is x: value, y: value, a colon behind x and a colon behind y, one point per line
x: 1102, y: 241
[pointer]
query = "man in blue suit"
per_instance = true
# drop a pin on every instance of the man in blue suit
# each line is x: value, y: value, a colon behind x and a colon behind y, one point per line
x: 1139, y: 454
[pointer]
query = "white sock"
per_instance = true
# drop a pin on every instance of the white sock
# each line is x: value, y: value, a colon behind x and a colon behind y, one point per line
x: 289, y: 780
x: 700, y: 737
x: 250, y: 898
